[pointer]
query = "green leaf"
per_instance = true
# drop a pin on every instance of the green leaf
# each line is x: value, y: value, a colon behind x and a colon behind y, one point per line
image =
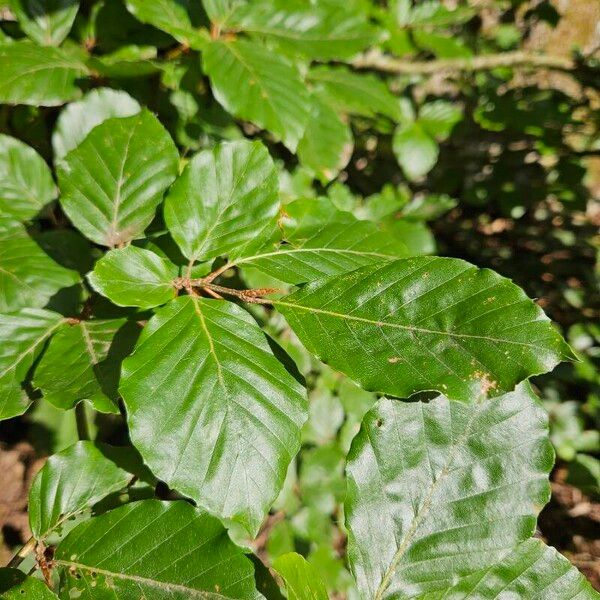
x: 79, y: 118
x: 302, y: 582
x: 72, y: 481
x: 318, y: 32
x: 133, y: 276
x: 584, y: 473
x: 38, y: 75
x: 186, y: 554
x: 28, y: 276
x: 220, y: 11
x: 531, y: 570
x: 178, y: 18
x: 23, y: 335
x: 26, y: 184
x: 275, y: 97
x: 225, y: 199
x: 15, y: 585
x: 416, y: 151
x: 113, y: 181
x: 440, y: 490
x: 426, y: 323
x: 327, y: 143
x: 46, y: 22
x: 428, y: 207
x: 211, y: 410
x: 319, y: 240
x: 438, y: 118
x: 443, y: 46
x: 355, y: 93
x: 83, y: 361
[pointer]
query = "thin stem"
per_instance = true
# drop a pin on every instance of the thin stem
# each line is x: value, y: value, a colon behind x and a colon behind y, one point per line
x: 252, y: 296
x: 377, y: 61
x: 22, y: 554
x: 210, y: 278
x: 83, y: 425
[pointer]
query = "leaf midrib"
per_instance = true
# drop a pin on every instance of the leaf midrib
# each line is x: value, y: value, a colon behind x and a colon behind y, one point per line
x: 412, y: 328
x: 169, y: 587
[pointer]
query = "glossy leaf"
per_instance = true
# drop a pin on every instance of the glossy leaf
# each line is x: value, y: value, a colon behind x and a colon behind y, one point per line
x: 15, y: 585
x: 416, y: 151
x: 46, y: 22
x: 26, y: 184
x: 426, y: 323
x: 438, y: 491
x: 225, y: 199
x: 133, y: 276
x: 37, y: 75
x: 82, y: 362
x: 355, y: 93
x: 113, y: 181
x: 176, y: 17
x: 319, y: 240
x: 302, y: 582
x: 186, y: 554
x: 275, y: 98
x: 70, y: 482
x: 22, y: 337
x: 531, y: 570
x: 211, y: 410
x: 28, y: 276
x: 80, y: 117
x: 320, y: 32
x: 327, y: 143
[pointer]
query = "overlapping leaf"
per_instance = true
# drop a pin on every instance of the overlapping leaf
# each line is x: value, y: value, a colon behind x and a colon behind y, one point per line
x: 15, y: 585
x: 28, y: 276
x: 83, y: 361
x: 158, y: 550
x: 26, y: 184
x: 319, y: 32
x: 70, y: 482
x: 37, y: 75
x: 179, y: 18
x: 22, y: 338
x: 319, y: 241
x: 211, y: 410
x: 441, y: 490
x: 327, y: 143
x: 134, y: 277
x: 225, y: 200
x: 113, y: 181
x: 426, y: 323
x: 275, y: 98
x: 80, y: 117
x: 302, y: 582
x: 46, y: 22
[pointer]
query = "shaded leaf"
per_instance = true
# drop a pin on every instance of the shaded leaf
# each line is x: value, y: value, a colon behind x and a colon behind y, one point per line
x: 83, y: 361
x: 426, y: 323
x: 113, y: 181
x: 22, y: 337
x: 80, y: 117
x: 133, y: 276
x: 46, y: 22
x: 211, y: 410
x: 186, y: 554
x: 275, y: 97
x: 70, y: 482
x: 38, y: 75
x: 438, y: 118
x: 355, y: 93
x: 225, y: 199
x: 15, y: 585
x: 320, y: 240
x: 26, y: 184
x: 327, y: 143
x: 416, y: 151
x: 28, y: 276
x: 302, y: 582
x: 178, y: 18
x: 454, y: 500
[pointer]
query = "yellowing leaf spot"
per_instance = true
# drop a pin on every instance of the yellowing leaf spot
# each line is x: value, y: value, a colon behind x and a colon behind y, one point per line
x: 393, y: 360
